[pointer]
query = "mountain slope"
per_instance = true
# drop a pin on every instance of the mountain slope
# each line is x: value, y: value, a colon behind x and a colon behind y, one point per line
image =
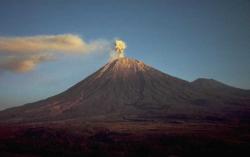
x: 127, y: 89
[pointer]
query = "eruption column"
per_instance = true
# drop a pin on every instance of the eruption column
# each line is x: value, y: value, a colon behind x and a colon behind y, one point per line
x: 120, y: 46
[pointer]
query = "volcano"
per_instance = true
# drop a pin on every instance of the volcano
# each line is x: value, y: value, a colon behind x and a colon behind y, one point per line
x: 128, y: 90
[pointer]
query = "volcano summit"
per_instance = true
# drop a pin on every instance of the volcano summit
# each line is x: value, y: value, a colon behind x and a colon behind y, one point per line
x: 129, y: 90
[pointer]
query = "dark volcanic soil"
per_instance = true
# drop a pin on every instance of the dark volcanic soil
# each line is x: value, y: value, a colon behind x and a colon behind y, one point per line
x: 114, y: 139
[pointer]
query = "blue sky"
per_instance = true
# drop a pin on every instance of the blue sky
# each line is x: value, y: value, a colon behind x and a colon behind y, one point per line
x: 186, y: 39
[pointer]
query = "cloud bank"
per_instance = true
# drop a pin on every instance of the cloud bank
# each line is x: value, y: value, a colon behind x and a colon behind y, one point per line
x: 22, y: 54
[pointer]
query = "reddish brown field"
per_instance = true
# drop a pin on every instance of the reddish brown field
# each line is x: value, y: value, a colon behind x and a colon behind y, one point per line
x: 113, y: 139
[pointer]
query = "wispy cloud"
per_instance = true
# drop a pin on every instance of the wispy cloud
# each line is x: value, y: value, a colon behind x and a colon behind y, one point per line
x: 22, y: 54
x: 23, y: 64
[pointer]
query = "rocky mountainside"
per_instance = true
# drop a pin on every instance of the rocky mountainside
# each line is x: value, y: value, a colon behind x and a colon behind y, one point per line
x: 127, y: 89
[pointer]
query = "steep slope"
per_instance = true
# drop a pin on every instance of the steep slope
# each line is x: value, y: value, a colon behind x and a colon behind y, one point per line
x: 127, y: 89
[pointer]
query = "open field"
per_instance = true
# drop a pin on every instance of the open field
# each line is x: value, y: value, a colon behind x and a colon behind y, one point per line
x: 146, y: 139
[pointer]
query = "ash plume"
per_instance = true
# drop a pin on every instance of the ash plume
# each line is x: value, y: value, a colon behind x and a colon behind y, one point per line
x: 118, y: 50
x: 23, y: 54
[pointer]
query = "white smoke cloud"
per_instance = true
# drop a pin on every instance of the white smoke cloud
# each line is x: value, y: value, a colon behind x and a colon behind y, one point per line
x: 118, y: 50
x: 120, y: 46
x: 22, y: 54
